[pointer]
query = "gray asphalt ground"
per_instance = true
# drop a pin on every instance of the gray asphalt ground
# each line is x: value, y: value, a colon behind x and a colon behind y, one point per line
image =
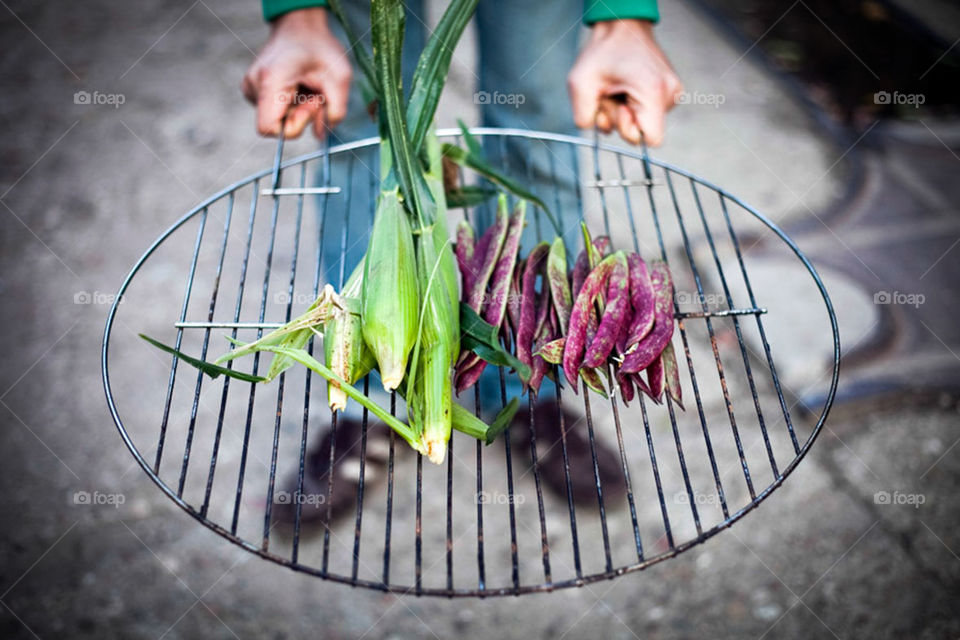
x: 860, y: 541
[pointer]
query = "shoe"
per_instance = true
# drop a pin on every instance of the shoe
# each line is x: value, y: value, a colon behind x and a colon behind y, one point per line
x: 547, y: 428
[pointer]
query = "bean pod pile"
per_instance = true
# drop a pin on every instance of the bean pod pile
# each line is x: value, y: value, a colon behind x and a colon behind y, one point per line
x: 607, y: 321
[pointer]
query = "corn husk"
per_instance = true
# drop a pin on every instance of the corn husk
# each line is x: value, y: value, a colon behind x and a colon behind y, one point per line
x: 344, y: 349
x: 389, y: 298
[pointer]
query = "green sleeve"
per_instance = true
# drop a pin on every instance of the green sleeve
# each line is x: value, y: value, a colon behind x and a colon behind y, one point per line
x: 276, y: 8
x: 593, y: 10
x: 600, y: 10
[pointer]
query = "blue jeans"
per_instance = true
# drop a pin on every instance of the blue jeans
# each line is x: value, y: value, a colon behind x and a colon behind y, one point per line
x: 526, y: 48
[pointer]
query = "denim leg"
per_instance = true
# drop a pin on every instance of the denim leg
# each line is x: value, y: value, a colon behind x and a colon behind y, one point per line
x: 526, y: 48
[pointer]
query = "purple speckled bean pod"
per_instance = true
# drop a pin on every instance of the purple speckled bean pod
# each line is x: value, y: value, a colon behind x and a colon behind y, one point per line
x: 602, y: 245
x: 465, y: 249
x: 494, y: 303
x: 559, y: 283
x: 528, y: 303
x: 580, y: 318
x: 502, y: 274
x: 622, y: 337
x: 587, y: 261
x: 614, y: 316
x: 544, y: 304
x: 546, y: 331
x: 641, y: 384
x: 486, y: 256
x: 642, y: 300
x: 513, y: 307
x: 672, y: 374
x: 552, y: 351
x: 579, y: 273
x: 655, y: 378
x: 469, y: 376
x: 627, y: 390
x: 513, y: 298
x: 594, y: 381
x: 540, y: 366
x: 653, y: 344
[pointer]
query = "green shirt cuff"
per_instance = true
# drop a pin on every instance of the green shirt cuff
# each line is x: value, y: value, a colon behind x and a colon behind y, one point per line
x: 276, y: 8
x: 600, y: 10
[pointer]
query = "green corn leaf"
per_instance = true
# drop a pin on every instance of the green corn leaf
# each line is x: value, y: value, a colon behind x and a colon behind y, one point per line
x: 496, y: 355
x: 465, y: 422
x: 482, y: 338
x: 315, y: 365
x: 473, y: 145
x: 471, y: 324
x: 476, y: 162
x: 431, y: 72
x: 208, y: 368
x: 503, y: 419
x: 387, y: 17
x: 468, y: 196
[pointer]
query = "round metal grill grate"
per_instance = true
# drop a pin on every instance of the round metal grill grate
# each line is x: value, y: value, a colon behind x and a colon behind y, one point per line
x: 488, y: 522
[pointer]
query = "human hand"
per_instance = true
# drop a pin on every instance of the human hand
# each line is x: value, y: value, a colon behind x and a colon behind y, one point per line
x: 301, y: 69
x: 622, y: 80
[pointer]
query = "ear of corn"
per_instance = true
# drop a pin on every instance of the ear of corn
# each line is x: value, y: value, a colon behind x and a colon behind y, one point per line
x: 345, y: 351
x: 389, y: 299
x: 439, y: 330
x: 438, y: 348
